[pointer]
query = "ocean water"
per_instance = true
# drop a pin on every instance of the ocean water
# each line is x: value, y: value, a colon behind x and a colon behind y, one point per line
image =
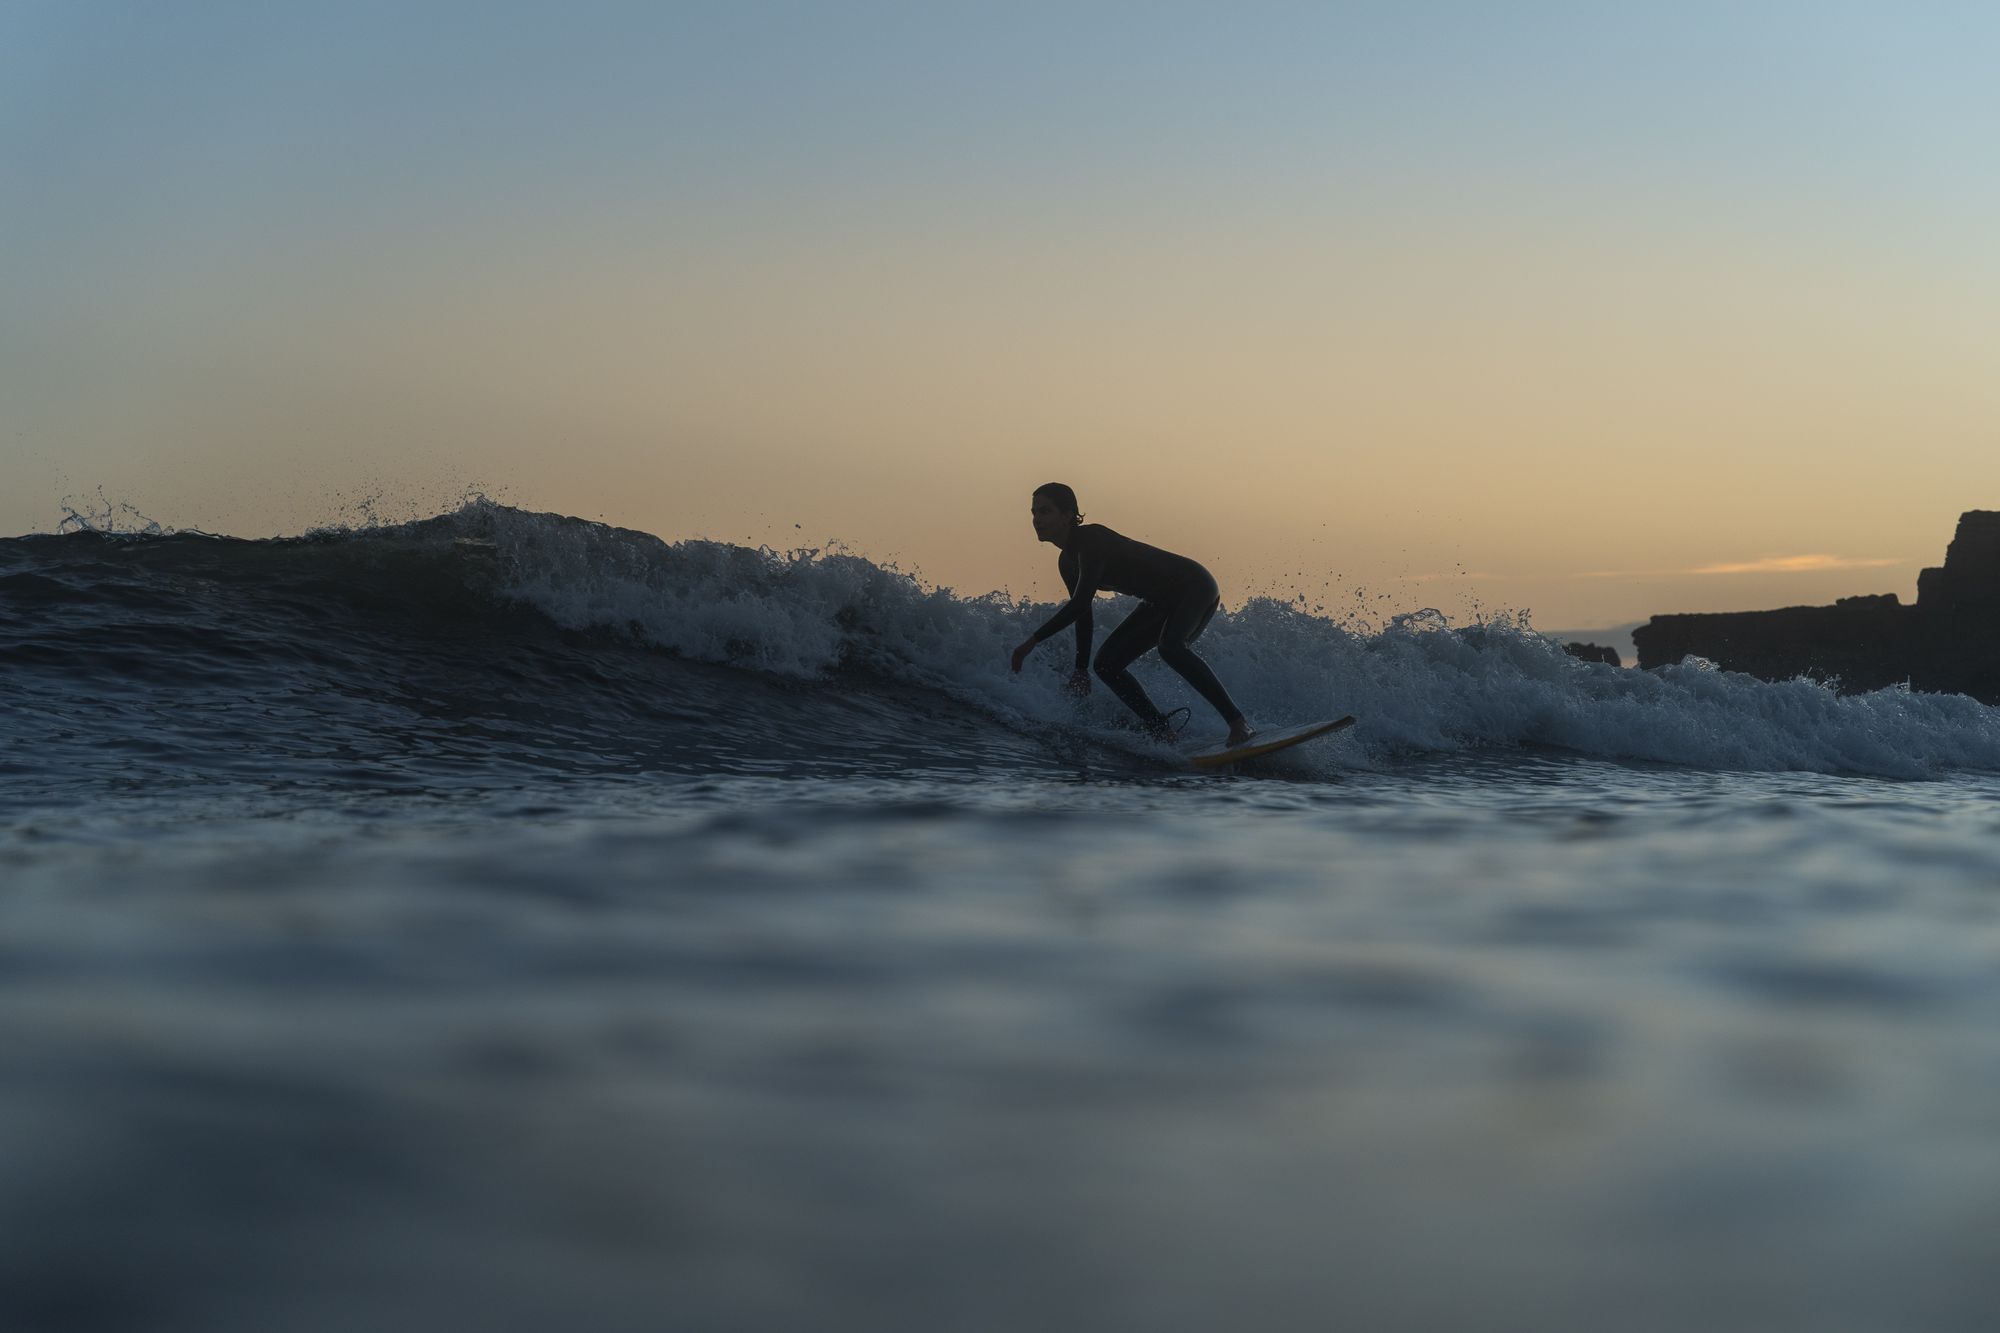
x: 503, y: 921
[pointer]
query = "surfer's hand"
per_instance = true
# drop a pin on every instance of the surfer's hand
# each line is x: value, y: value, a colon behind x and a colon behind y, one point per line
x: 1078, y: 684
x: 1021, y: 655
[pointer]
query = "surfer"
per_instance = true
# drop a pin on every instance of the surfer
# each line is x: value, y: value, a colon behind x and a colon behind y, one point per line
x: 1177, y: 599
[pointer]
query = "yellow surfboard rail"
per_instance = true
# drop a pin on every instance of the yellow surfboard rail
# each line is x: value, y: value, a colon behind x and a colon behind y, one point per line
x: 1266, y: 742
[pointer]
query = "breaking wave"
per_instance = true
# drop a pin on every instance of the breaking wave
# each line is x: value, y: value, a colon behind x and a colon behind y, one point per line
x: 448, y: 650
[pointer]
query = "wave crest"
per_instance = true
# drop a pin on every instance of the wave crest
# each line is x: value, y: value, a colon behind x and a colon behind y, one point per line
x: 821, y: 619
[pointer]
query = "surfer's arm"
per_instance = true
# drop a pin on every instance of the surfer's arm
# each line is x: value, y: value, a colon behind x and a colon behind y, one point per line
x: 1088, y: 570
x: 1082, y: 588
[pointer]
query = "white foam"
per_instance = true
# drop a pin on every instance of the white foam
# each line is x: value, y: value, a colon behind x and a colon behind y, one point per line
x: 1418, y: 685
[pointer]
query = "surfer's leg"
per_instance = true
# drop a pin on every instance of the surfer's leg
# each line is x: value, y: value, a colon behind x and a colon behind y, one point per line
x: 1184, y: 624
x: 1139, y: 632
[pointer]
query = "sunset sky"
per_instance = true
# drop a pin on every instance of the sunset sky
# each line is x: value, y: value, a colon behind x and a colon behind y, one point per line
x: 1595, y: 310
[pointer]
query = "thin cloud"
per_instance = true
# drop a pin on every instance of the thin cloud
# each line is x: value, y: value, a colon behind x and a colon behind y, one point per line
x: 1796, y: 564
x: 1770, y: 564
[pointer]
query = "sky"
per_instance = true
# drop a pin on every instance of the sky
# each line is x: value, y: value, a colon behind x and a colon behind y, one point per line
x: 1591, y: 311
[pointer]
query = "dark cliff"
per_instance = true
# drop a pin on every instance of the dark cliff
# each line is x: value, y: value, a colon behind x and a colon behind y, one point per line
x: 1594, y: 652
x: 1949, y: 641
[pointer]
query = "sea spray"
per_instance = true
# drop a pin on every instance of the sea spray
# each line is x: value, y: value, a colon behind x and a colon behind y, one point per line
x: 1418, y: 684
x: 831, y: 624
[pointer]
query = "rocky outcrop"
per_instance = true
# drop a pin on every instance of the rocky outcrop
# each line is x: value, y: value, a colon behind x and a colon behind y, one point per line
x: 1968, y: 582
x: 1949, y: 641
x: 1594, y: 652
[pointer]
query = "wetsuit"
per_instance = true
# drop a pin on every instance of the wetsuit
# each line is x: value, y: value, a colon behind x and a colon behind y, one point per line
x: 1178, y: 598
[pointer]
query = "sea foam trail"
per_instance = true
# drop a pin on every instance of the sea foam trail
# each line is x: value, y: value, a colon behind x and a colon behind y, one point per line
x: 1417, y: 686
x: 414, y: 625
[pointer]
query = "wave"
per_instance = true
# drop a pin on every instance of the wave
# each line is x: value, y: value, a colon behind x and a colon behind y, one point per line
x: 452, y: 648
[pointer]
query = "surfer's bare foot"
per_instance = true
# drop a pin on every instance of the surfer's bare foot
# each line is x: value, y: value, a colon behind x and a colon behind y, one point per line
x: 1240, y: 732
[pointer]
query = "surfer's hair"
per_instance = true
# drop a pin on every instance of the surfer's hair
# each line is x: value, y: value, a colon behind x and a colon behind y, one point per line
x: 1061, y: 494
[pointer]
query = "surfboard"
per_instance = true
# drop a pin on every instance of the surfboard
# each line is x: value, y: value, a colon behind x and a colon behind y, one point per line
x: 1265, y: 742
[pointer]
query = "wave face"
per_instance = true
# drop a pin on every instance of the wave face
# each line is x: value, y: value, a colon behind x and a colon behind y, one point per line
x: 490, y: 645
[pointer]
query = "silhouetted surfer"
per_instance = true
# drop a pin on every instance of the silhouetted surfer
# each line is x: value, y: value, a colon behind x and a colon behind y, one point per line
x: 1177, y: 598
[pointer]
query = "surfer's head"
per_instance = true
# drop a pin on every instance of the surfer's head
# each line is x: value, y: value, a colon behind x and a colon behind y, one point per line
x: 1054, y: 511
